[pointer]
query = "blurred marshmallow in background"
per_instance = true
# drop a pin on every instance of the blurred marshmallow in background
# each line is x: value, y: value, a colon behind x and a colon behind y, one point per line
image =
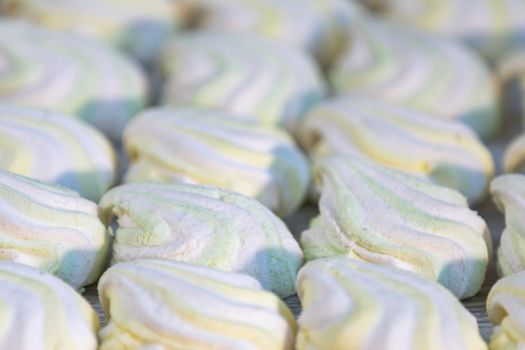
x: 139, y: 27
x: 492, y: 27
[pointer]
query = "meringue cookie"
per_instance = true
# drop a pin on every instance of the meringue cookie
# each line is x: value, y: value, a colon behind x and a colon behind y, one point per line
x: 448, y: 153
x: 489, y: 26
x: 242, y: 73
x: 51, y: 228
x: 70, y: 74
x: 137, y: 26
x: 505, y: 305
x: 56, y: 149
x: 40, y: 312
x: 508, y: 193
x: 318, y: 26
x: 158, y: 304
x: 217, y: 148
x: 438, y: 76
x: 385, y: 217
x: 205, y: 226
x: 514, y: 156
x: 348, y: 304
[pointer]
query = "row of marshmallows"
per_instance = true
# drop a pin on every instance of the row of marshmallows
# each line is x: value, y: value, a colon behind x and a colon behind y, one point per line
x: 174, y: 304
x: 380, y: 218
x: 260, y: 77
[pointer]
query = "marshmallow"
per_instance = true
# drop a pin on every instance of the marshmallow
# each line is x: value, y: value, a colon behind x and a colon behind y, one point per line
x: 508, y: 193
x: 348, y: 304
x: 69, y: 73
x: 505, y: 307
x: 172, y: 305
x: 398, y: 64
x: 242, y: 73
x: 54, y: 148
x: 51, y: 228
x: 40, y: 312
x: 217, y: 148
x: 447, y: 152
x: 490, y: 26
x: 318, y: 26
x: 204, y: 226
x: 385, y: 217
x: 514, y: 155
x: 139, y: 27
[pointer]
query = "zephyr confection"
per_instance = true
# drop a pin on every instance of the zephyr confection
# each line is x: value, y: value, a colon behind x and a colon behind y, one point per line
x: 51, y: 228
x: 205, y: 226
x: 137, y: 26
x: 41, y: 312
x: 398, y: 64
x: 56, y: 149
x: 242, y: 73
x: 505, y: 305
x: 386, y: 217
x: 508, y: 192
x: 447, y: 152
x: 319, y: 26
x: 348, y: 304
x: 69, y: 73
x: 492, y: 27
x: 173, y: 305
x: 212, y: 147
